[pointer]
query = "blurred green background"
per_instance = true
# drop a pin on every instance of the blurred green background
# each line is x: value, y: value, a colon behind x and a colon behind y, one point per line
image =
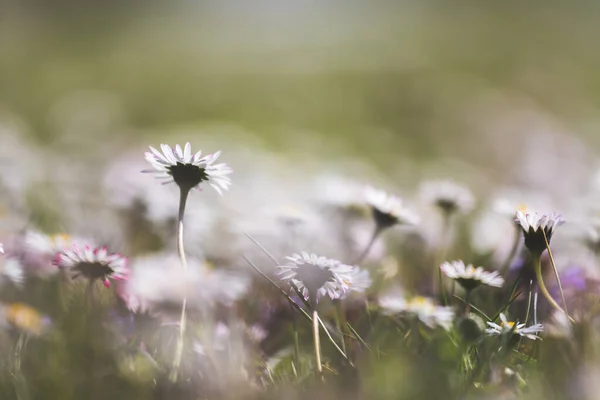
x: 388, y: 79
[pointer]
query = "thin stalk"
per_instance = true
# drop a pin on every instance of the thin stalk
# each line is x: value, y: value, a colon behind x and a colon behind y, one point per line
x: 183, y: 194
x: 529, y: 295
x: 441, y: 255
x: 513, y: 251
x: 21, y: 389
x: 535, y: 304
x: 560, y: 289
x: 296, y: 337
x: 376, y: 232
x: 317, y: 342
x: 537, y: 265
x: 467, y: 303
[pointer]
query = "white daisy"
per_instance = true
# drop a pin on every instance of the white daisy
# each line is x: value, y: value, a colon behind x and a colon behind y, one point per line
x: 470, y: 277
x: 449, y: 196
x: 507, y: 326
x: 534, y: 226
x: 93, y: 263
x: 316, y: 276
x: 360, y: 280
x: 188, y: 170
x: 389, y: 210
x: 423, y: 308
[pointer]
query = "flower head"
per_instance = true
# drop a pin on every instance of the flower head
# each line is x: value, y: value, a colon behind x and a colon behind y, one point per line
x: 450, y: 197
x: 188, y: 170
x: 515, y: 328
x: 535, y: 226
x: 93, y: 264
x: 316, y: 276
x: 470, y: 277
x: 24, y: 317
x: 423, y: 308
x: 388, y: 210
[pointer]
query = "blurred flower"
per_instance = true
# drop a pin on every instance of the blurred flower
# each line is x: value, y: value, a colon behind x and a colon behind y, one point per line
x: 423, y: 308
x: 470, y: 277
x: 535, y: 226
x: 507, y: 326
x: 449, y: 196
x: 12, y: 270
x: 24, y: 317
x: 188, y: 170
x: 159, y: 279
x: 35, y: 250
x: 388, y: 210
x: 93, y: 264
x: 316, y: 276
x: 1, y: 248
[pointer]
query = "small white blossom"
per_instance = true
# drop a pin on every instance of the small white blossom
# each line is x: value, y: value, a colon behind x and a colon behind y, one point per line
x: 389, y: 210
x: 507, y: 326
x: 316, y: 276
x: 423, y: 308
x: 535, y: 226
x: 188, y: 170
x: 448, y: 196
x: 93, y: 263
x: 470, y: 277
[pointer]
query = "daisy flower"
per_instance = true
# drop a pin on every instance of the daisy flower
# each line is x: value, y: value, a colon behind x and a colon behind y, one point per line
x: 389, y: 210
x: 449, y: 196
x: 534, y: 227
x: 93, y: 264
x: 360, y: 280
x: 470, y: 277
x: 316, y: 276
x: 515, y: 328
x: 188, y: 170
x: 420, y: 307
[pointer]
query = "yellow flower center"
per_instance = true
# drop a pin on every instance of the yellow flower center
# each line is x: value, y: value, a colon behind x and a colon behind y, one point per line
x: 508, y: 324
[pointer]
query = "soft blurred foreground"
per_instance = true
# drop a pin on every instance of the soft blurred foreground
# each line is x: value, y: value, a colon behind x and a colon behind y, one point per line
x: 303, y: 278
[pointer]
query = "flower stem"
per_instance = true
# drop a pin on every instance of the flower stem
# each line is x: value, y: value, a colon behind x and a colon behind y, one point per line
x: 317, y: 341
x: 513, y: 251
x: 441, y: 255
x: 376, y: 232
x: 181, y: 251
x: 467, y: 303
x: 537, y: 265
x: 560, y: 289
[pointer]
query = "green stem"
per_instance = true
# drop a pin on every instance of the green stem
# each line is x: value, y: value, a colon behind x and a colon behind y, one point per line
x: 317, y: 342
x: 374, y: 236
x: 441, y: 255
x: 562, y: 294
x: 181, y: 251
x: 467, y: 303
x: 537, y: 265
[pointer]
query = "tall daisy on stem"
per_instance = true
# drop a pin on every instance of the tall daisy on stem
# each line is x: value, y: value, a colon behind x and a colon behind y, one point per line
x: 188, y: 171
x: 451, y: 199
x: 538, y: 230
x: 316, y: 277
x: 387, y: 211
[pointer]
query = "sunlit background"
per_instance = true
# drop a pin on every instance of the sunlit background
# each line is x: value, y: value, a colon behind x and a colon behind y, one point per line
x: 308, y: 102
